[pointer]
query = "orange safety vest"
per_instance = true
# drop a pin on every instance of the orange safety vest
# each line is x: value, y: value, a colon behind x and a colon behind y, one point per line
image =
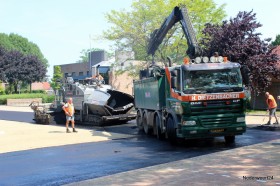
x: 69, y: 108
x: 271, y: 102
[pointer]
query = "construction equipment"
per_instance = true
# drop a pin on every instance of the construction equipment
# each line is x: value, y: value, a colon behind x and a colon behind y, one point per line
x: 200, y: 99
x: 40, y: 113
x: 95, y: 104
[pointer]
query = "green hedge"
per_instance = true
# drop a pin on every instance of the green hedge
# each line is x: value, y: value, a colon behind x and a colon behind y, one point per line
x: 45, y: 97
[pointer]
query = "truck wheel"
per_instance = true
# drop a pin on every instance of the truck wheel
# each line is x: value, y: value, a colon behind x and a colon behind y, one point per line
x: 146, y: 127
x: 171, y: 131
x: 160, y: 136
x: 229, y: 139
x: 139, y: 121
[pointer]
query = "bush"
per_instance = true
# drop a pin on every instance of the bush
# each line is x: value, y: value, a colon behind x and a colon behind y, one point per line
x: 38, y: 91
x: 2, y: 90
x: 48, y: 98
x: 45, y: 98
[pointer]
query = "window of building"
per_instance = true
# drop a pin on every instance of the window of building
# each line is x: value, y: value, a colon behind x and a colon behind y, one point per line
x: 81, y: 73
x: 87, y: 73
x: 73, y: 74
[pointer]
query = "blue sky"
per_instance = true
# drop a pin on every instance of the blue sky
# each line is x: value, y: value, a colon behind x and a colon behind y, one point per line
x: 62, y: 28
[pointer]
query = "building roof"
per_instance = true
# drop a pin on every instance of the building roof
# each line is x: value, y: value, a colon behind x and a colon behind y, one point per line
x: 105, y: 63
x: 276, y: 50
x: 40, y: 86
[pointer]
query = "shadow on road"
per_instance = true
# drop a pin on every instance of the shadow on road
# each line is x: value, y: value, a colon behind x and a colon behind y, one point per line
x: 17, y: 116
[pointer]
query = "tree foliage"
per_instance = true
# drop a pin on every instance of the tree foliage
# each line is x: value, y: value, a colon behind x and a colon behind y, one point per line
x: 57, y: 77
x: 131, y: 29
x: 18, y: 68
x: 276, y: 42
x: 21, y: 44
x: 238, y: 40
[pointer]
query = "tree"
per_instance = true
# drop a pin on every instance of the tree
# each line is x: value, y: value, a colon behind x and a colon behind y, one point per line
x: 57, y: 77
x: 5, y: 42
x: 2, y: 53
x: 33, y: 69
x: 11, y: 67
x: 276, y: 41
x: 21, y: 44
x: 2, y: 78
x: 131, y: 29
x: 238, y: 41
x: 19, y: 68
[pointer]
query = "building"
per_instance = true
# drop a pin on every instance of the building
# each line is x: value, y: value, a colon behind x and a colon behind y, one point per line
x: 258, y: 101
x: 82, y: 70
x: 40, y: 86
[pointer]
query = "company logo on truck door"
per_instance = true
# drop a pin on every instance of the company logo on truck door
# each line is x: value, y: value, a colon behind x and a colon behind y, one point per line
x: 215, y: 96
x: 147, y: 94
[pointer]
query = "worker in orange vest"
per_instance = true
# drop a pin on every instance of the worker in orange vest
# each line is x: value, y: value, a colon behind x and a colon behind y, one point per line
x: 69, y: 112
x: 272, y: 106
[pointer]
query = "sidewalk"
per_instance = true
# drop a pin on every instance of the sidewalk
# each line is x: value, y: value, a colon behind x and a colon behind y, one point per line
x: 29, y: 135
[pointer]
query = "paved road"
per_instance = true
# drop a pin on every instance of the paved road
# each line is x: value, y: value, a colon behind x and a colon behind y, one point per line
x: 125, y: 150
x: 72, y: 163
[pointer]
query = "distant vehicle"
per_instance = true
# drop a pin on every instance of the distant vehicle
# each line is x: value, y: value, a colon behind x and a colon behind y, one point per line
x: 202, y: 98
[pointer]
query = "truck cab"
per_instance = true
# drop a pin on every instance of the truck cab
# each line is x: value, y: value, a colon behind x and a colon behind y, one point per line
x: 210, y: 100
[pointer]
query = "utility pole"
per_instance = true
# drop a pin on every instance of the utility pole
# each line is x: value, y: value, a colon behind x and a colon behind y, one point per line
x: 89, y: 57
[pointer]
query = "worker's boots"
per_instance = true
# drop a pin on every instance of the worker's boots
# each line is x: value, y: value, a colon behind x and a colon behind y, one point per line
x: 74, y: 130
x: 68, y: 131
x: 268, y: 123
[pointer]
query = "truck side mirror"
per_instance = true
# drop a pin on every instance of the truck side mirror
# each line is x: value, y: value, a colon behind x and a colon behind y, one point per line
x: 174, y: 82
x: 245, y: 75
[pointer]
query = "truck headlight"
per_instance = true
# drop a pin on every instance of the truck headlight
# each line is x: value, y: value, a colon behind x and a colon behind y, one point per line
x: 177, y: 107
x: 240, y: 119
x: 189, y: 123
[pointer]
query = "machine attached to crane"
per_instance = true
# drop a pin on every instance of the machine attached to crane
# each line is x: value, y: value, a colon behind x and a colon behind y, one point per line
x: 202, y: 98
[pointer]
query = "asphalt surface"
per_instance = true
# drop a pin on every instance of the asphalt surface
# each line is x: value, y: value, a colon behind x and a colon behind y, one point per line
x: 126, y: 151
x: 72, y: 163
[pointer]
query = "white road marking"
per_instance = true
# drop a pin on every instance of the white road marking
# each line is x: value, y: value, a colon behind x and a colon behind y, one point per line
x: 261, y: 181
x: 224, y: 175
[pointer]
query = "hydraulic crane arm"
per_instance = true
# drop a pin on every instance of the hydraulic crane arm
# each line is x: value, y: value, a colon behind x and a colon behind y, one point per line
x: 178, y: 14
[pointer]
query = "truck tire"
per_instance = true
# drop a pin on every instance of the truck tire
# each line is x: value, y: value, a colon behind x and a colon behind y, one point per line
x: 146, y: 127
x: 171, y: 131
x: 160, y: 135
x: 139, y: 121
x: 229, y: 139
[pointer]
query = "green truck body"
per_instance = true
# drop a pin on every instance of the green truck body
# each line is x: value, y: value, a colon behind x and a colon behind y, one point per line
x: 149, y: 93
x: 169, y: 108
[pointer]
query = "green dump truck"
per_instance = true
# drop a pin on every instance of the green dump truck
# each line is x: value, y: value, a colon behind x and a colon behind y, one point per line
x: 202, y: 98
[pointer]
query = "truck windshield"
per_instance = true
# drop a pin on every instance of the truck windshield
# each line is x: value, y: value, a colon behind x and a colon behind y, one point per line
x: 212, y: 81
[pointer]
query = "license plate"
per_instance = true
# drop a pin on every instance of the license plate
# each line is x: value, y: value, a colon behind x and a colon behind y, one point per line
x: 217, y: 130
